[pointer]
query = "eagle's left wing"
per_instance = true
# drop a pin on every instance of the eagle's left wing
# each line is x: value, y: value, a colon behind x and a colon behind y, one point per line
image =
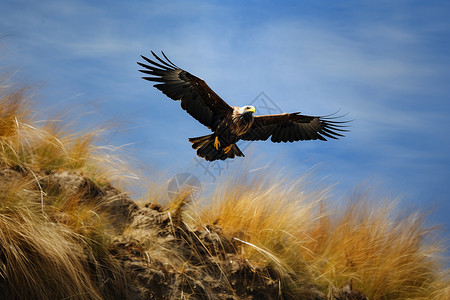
x: 196, y: 97
x: 290, y: 127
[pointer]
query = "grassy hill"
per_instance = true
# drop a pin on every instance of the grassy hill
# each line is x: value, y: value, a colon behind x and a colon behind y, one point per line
x: 67, y: 233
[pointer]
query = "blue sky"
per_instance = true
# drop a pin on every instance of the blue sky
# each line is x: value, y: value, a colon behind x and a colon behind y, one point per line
x: 385, y: 63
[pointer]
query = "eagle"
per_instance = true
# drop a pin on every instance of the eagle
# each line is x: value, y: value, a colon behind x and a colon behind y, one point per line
x: 229, y: 124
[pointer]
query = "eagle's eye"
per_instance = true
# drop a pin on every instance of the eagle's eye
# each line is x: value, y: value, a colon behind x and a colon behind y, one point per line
x: 249, y: 109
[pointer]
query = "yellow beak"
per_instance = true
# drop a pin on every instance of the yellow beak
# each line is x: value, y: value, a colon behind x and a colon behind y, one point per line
x: 252, y: 109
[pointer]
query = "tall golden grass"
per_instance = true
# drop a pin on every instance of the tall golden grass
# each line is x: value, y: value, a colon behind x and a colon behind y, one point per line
x: 40, y: 259
x: 52, y: 246
x: 386, y: 254
x: 51, y: 144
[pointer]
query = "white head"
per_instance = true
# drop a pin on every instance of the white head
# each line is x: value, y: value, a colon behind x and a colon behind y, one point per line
x: 248, y: 109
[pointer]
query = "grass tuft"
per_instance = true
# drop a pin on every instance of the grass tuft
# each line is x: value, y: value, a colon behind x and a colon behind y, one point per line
x: 39, y: 259
x: 53, y: 239
x: 306, y: 241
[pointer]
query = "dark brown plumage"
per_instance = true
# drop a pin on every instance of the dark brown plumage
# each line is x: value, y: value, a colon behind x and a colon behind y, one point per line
x: 230, y: 124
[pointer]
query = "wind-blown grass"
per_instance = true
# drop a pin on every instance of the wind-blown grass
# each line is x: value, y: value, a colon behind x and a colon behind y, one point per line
x: 52, y: 244
x: 384, y: 254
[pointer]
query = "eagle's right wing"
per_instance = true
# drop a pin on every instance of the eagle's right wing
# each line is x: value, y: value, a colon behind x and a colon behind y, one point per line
x: 197, y: 98
x: 290, y: 127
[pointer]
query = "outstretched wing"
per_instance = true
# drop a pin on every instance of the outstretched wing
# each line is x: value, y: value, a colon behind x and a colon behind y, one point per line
x: 197, y: 98
x: 294, y: 127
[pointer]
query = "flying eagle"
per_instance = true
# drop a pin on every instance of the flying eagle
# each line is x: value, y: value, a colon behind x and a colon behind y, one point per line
x: 230, y: 124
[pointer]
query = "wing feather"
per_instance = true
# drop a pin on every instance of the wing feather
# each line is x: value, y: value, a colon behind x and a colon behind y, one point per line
x: 295, y: 127
x: 168, y: 64
x: 291, y: 133
x: 297, y: 134
x: 196, y: 97
x: 156, y: 64
x: 174, y: 65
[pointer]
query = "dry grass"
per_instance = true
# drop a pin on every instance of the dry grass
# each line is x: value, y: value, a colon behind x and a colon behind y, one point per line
x: 385, y: 254
x: 388, y: 255
x: 271, y: 218
x: 30, y: 144
x: 40, y: 259
x: 52, y: 244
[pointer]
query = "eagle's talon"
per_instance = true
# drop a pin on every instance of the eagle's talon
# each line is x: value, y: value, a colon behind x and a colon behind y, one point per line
x: 216, y: 143
x: 227, y: 148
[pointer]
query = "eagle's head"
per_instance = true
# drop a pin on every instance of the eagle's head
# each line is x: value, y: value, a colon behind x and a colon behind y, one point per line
x: 243, y: 119
x: 246, y: 110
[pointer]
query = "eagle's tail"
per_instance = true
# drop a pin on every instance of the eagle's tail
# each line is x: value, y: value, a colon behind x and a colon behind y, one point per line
x: 205, y: 148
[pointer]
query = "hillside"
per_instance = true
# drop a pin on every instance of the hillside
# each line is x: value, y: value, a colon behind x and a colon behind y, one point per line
x: 66, y: 232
